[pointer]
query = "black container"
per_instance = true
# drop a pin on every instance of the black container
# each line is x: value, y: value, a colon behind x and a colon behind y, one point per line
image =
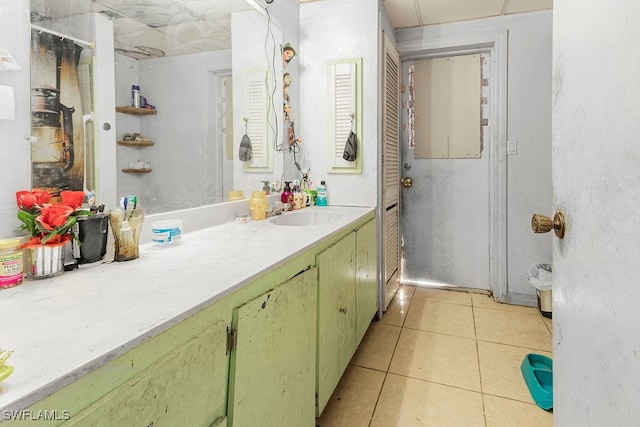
x: 92, y: 231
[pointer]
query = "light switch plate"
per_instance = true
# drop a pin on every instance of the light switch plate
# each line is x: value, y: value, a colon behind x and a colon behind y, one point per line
x: 512, y: 147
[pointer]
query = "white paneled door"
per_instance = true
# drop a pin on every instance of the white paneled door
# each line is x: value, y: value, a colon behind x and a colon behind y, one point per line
x: 596, y: 171
x: 446, y: 212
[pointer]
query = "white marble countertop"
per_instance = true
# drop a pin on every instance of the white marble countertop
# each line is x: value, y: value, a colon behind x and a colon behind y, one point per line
x: 65, y: 327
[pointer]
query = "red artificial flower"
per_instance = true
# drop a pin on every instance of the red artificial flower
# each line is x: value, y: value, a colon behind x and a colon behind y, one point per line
x: 72, y: 198
x: 25, y: 199
x: 52, y: 216
x: 42, y: 196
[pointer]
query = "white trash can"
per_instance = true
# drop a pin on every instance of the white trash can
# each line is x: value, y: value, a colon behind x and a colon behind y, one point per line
x: 541, y: 277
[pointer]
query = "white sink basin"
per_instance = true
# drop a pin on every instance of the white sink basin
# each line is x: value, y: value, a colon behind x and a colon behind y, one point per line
x: 308, y: 218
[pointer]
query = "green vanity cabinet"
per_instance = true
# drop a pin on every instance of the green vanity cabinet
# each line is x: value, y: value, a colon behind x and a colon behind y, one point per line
x: 178, y: 377
x: 366, y: 278
x: 336, y: 315
x: 179, y: 389
x: 270, y: 353
x: 272, y: 375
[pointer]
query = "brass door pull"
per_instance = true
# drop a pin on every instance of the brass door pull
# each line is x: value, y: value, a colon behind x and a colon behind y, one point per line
x: 544, y: 224
x: 407, y: 182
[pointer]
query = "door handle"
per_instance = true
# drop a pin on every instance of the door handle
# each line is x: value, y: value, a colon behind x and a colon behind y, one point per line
x: 544, y: 224
x: 407, y: 182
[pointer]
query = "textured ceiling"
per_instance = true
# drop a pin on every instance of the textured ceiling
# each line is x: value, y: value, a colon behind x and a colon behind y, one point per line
x: 151, y: 28
x: 413, y: 13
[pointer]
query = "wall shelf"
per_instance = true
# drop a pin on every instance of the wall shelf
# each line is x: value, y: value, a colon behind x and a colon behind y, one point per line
x: 136, y: 143
x: 130, y: 170
x: 136, y: 111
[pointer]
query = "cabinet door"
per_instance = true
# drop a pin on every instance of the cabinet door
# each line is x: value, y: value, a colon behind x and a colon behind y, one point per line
x: 336, y: 315
x: 366, y: 278
x: 183, y: 388
x: 272, y: 373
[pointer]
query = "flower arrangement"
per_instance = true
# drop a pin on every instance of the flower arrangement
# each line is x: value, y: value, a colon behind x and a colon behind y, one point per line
x: 49, y: 224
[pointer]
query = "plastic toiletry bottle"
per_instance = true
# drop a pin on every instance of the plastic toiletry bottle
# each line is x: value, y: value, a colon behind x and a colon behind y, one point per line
x: 135, y: 96
x: 321, y: 198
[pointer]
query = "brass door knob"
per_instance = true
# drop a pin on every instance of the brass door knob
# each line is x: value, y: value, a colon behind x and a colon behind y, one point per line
x: 544, y: 224
x: 407, y: 182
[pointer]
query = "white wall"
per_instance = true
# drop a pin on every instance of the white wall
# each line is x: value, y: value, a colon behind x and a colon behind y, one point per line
x: 331, y: 30
x: 249, y: 33
x: 257, y: 48
x: 182, y: 158
x: 529, y: 122
x: 15, y: 148
x: 285, y: 14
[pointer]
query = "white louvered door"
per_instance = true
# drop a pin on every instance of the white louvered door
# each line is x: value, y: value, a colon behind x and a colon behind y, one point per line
x: 391, y: 168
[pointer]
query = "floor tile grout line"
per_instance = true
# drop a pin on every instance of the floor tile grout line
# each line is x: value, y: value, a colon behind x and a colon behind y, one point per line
x: 373, y: 413
x: 395, y: 347
x: 434, y: 382
x: 507, y: 311
x: 444, y: 302
x: 475, y: 332
x: 514, y: 345
x: 438, y: 333
x: 386, y: 374
x: 513, y: 399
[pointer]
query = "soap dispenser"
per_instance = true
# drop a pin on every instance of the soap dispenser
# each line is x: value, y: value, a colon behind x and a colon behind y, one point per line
x: 266, y: 187
x: 287, y: 195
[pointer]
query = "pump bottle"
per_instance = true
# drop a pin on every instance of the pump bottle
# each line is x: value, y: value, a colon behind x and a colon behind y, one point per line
x: 287, y: 195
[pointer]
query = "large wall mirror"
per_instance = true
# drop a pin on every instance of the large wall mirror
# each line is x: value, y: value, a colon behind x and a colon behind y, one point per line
x: 193, y: 62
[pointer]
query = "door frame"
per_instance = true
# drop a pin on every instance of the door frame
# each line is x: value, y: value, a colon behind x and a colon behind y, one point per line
x: 213, y: 78
x: 495, y: 43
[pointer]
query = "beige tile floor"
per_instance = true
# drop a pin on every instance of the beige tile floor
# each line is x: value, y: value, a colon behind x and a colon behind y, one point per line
x: 442, y: 358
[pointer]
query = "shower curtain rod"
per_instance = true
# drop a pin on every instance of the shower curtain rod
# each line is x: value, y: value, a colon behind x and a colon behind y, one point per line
x: 91, y: 45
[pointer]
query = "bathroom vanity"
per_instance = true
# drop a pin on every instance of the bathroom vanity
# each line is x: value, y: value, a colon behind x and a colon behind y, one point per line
x: 239, y: 325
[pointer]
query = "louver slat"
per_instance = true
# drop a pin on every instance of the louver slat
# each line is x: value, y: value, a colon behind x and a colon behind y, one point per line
x: 342, y: 104
x: 256, y: 112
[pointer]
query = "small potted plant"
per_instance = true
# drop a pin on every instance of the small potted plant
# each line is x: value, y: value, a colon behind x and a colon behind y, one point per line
x: 50, y: 226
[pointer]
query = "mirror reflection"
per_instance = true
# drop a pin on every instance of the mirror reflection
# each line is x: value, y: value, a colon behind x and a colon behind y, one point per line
x: 175, y: 93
